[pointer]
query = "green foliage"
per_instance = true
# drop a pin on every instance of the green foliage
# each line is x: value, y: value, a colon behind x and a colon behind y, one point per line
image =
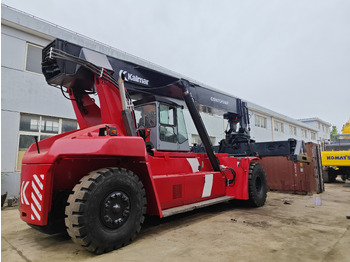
x: 334, y: 131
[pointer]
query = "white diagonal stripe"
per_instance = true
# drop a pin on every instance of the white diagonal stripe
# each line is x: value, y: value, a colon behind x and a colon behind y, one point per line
x: 36, y: 202
x: 42, y: 177
x: 24, y: 193
x: 194, y: 163
x: 32, y: 217
x: 208, y: 185
x: 37, y: 191
x: 35, y: 212
x: 38, y: 182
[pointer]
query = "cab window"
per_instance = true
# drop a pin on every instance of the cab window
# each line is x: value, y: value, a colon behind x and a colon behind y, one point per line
x: 146, y: 116
x: 167, y: 115
x: 181, y: 126
x: 166, y: 127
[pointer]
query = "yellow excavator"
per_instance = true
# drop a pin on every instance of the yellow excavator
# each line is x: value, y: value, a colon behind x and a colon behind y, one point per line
x: 336, y: 156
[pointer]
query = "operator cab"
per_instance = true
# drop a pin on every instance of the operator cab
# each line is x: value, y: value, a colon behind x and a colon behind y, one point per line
x: 163, y: 121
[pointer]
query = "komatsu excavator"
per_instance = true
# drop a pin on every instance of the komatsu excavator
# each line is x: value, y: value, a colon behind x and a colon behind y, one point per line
x: 336, y: 156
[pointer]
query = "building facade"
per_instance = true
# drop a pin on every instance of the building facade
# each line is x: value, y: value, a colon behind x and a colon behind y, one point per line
x: 32, y: 110
x: 322, y: 127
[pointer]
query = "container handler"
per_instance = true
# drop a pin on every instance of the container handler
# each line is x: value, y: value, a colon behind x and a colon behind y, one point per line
x: 131, y: 156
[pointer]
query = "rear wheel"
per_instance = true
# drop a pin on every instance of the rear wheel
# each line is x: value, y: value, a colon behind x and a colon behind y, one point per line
x: 257, y: 185
x: 332, y: 175
x: 345, y: 172
x: 106, y: 209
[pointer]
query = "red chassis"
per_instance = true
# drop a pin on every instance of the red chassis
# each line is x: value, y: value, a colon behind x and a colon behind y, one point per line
x: 100, y: 181
x: 170, y: 179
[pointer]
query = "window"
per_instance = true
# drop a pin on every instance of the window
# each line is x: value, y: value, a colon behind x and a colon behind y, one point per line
x: 304, y: 133
x: 166, y: 127
x: 197, y: 140
x: 39, y: 127
x: 181, y: 126
x: 313, y: 136
x: 278, y: 126
x: 68, y: 125
x: 167, y: 114
x: 204, y: 109
x: 293, y: 130
x: 24, y: 143
x: 49, y: 125
x: 260, y: 121
x: 146, y: 116
x: 33, y: 58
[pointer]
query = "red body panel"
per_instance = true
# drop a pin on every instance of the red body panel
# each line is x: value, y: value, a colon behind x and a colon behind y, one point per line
x: 171, y: 179
x: 177, y: 190
x: 239, y: 189
x: 36, y: 184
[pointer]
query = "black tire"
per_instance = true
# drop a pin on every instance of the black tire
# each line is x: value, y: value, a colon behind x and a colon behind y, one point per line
x: 332, y: 178
x: 332, y: 175
x: 344, y: 171
x: 106, y: 209
x: 257, y: 185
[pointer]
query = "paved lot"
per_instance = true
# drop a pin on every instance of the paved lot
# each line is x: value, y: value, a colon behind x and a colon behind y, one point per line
x: 287, y: 228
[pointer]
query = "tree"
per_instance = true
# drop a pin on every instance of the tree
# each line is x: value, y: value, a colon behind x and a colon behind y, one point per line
x: 334, y: 132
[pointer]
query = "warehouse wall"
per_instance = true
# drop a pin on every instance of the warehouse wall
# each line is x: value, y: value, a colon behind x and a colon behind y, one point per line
x: 22, y: 92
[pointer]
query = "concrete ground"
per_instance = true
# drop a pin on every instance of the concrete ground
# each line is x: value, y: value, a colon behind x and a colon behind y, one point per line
x: 288, y: 228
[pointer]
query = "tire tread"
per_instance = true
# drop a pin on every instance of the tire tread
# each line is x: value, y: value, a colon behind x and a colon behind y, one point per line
x: 254, y: 199
x: 77, y: 206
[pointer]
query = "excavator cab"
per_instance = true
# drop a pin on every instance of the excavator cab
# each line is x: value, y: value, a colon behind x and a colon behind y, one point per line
x: 162, y: 122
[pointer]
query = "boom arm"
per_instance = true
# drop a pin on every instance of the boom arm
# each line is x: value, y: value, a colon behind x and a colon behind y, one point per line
x: 66, y: 64
x: 78, y: 68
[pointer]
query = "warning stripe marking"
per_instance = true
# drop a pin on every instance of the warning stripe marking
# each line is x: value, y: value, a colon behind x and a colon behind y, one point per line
x: 37, y: 191
x: 35, y: 212
x: 38, y: 182
x: 194, y: 163
x: 23, y: 192
x: 36, y: 202
x: 208, y: 185
x: 37, y: 197
x: 22, y: 197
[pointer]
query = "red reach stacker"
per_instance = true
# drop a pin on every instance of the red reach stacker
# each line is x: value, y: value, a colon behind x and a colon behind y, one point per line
x: 131, y: 155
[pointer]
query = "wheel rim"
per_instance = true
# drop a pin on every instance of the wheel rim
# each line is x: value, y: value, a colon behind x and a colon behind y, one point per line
x: 115, y: 209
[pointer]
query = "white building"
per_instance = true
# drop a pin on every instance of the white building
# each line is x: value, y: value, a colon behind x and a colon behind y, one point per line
x: 323, y: 127
x: 30, y: 108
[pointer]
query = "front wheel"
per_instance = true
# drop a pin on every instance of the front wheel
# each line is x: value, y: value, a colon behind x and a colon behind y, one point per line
x: 257, y: 185
x: 106, y: 209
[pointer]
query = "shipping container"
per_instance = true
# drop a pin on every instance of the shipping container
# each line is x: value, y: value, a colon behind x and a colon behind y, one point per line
x: 295, y: 177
